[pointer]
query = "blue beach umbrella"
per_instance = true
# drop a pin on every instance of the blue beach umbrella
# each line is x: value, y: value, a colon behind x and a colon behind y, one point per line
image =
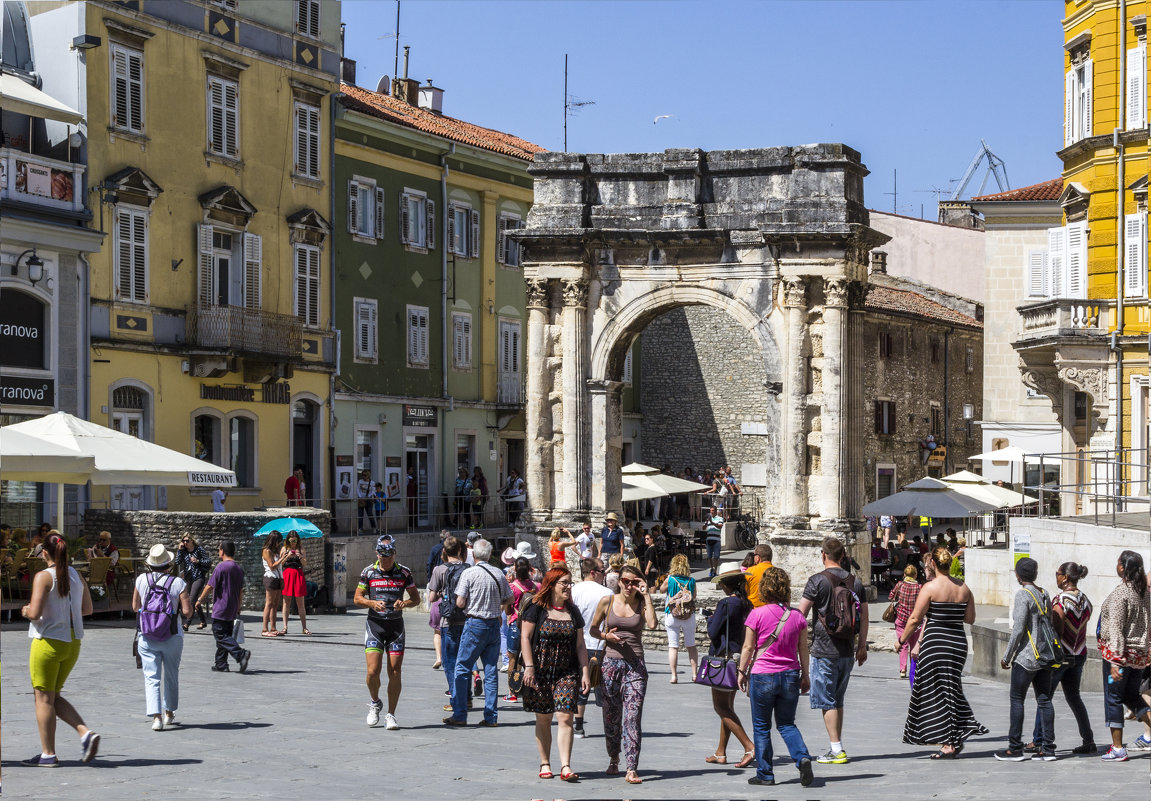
x: 286, y: 525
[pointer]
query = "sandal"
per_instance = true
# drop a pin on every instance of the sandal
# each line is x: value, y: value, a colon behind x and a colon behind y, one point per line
x: 267, y: 634
x: 716, y: 759
x: 612, y: 768
x: 546, y: 774
x: 570, y: 776
x: 308, y: 633
x: 748, y: 758
x: 941, y: 754
x: 282, y: 633
x: 633, y: 778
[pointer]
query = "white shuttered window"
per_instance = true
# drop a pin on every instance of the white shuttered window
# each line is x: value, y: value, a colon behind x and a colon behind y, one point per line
x: 307, y: 284
x: 1077, y: 260
x: 462, y: 341
x: 1056, y: 261
x: 507, y: 249
x: 308, y: 18
x: 1137, y: 87
x: 1037, y: 274
x: 307, y: 146
x: 418, y: 336
x: 366, y: 329
x: 223, y: 117
x: 509, y: 347
x: 417, y: 219
x: 1135, y: 256
x: 131, y: 247
x: 1077, y: 113
x: 127, y: 101
x: 365, y: 209
x: 463, y: 231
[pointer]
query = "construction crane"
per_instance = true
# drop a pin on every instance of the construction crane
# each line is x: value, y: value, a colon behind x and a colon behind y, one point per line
x: 995, y: 166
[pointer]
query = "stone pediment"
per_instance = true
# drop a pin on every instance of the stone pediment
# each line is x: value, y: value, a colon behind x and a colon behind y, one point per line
x: 1074, y: 199
x: 134, y: 186
x: 308, y: 226
x: 228, y: 205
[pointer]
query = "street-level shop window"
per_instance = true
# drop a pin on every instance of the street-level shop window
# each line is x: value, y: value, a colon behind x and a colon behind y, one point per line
x: 307, y: 284
x: 417, y: 336
x: 127, y: 100
x: 365, y: 209
x: 130, y: 252
x: 242, y: 450
x: 366, y: 310
x: 417, y: 219
x: 463, y: 231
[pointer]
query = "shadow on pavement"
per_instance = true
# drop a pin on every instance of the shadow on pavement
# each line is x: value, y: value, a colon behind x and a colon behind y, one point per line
x: 234, y: 726
x: 105, y: 762
x: 264, y: 672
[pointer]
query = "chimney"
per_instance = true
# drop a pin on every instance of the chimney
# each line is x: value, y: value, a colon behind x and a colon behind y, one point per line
x: 878, y: 262
x: 406, y: 89
x: 432, y: 98
x: 348, y: 70
x: 960, y: 213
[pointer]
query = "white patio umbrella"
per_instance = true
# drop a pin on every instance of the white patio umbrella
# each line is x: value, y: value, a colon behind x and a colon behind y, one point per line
x: 631, y: 492
x: 928, y: 497
x: 119, y: 458
x: 665, y: 485
x: 1011, y: 454
x: 27, y: 458
x: 977, y: 487
x: 637, y: 469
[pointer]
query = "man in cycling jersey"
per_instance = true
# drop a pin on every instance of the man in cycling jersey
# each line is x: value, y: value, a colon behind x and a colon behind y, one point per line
x: 381, y: 591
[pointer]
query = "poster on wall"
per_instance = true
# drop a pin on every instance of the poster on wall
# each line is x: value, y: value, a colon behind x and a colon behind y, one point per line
x: 345, y: 489
x: 392, y: 483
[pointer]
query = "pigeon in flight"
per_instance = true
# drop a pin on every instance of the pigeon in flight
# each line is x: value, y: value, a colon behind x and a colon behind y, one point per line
x: 661, y: 117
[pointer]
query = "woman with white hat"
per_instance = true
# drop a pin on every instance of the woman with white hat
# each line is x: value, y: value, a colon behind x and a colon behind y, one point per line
x: 161, y: 640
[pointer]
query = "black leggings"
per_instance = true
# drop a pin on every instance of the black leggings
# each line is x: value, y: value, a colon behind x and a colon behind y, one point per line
x: 194, y: 590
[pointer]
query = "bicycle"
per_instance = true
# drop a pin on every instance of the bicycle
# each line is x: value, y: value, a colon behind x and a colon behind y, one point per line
x: 746, y: 533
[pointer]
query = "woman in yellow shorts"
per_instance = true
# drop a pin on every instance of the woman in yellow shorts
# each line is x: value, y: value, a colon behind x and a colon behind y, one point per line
x: 60, y: 600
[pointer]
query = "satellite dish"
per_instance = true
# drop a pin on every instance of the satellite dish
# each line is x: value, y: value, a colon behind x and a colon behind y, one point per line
x: 384, y: 87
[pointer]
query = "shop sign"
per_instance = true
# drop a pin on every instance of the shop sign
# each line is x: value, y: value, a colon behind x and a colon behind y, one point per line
x: 21, y: 391
x: 420, y: 416
x: 22, y: 330
x: 279, y: 393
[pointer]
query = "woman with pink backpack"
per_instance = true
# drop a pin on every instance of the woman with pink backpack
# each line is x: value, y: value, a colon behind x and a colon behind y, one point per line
x: 158, y: 599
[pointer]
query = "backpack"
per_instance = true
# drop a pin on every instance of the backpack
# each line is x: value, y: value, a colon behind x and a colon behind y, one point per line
x: 449, y: 612
x: 157, y: 615
x: 841, y: 619
x: 681, y: 604
x: 1049, y: 651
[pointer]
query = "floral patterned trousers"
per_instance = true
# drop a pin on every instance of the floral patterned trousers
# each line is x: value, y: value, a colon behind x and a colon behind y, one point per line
x: 622, y: 691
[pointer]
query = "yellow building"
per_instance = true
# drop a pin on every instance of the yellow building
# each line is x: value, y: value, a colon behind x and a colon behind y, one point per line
x: 208, y: 147
x: 1085, y: 329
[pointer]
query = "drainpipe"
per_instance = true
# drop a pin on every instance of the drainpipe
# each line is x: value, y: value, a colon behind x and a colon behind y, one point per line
x: 84, y: 391
x: 946, y: 386
x: 444, y: 305
x: 1120, y: 247
x: 332, y: 102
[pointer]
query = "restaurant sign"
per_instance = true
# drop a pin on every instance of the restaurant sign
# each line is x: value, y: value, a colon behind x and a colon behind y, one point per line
x: 420, y: 416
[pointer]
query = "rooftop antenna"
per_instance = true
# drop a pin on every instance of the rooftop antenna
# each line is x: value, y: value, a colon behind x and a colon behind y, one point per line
x: 895, y: 192
x: 570, y: 103
x: 396, y: 64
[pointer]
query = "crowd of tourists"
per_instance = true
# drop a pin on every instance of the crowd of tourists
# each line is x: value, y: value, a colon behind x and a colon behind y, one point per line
x: 562, y: 640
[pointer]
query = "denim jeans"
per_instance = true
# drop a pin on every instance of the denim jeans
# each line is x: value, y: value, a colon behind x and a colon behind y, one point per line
x: 160, y: 660
x: 778, y: 694
x: 1122, y: 693
x: 480, y: 640
x: 1069, y: 676
x: 450, y: 648
x: 1021, y: 679
x: 829, y: 678
x: 225, y: 643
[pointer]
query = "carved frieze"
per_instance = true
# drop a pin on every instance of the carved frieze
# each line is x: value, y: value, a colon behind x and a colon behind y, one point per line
x: 1093, y: 381
x: 575, y: 292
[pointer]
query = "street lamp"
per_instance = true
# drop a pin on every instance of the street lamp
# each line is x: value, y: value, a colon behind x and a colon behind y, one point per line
x: 35, y: 266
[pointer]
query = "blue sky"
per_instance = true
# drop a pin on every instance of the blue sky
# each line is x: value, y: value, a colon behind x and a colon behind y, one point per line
x: 912, y: 84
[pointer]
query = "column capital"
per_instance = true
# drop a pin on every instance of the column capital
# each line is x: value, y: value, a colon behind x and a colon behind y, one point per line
x: 537, y: 293
x: 794, y: 292
x: 575, y: 291
x: 835, y: 291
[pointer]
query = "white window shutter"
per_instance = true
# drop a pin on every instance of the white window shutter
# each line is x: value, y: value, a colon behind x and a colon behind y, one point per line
x: 366, y: 329
x: 1137, y: 87
x: 231, y: 119
x: 1135, y: 256
x: 1056, y: 261
x: 467, y: 342
x: 405, y: 221
x: 204, y: 238
x: 313, y: 318
x: 1088, y: 100
x: 1077, y: 260
x: 451, y: 246
x: 430, y: 224
x: 413, y: 334
x: 502, y: 240
x: 353, y: 207
x: 123, y: 230
x: 253, y: 256
x: 1069, y: 109
x: 215, y: 116
x: 475, y: 243
x: 301, y: 140
x: 379, y: 232
x: 140, y: 256
x: 120, y: 90
x: 424, y: 337
x: 1037, y: 268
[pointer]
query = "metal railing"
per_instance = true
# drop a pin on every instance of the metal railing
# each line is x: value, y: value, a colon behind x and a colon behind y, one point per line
x: 1100, y: 483
x: 405, y: 515
x: 243, y: 330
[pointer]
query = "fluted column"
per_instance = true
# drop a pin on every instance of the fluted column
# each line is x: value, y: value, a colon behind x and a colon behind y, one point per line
x: 834, y: 364
x: 539, y: 429
x: 855, y: 419
x: 606, y: 447
x: 793, y: 450
x: 574, y: 495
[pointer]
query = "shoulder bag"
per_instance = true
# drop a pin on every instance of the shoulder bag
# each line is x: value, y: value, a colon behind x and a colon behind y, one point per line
x: 722, y: 672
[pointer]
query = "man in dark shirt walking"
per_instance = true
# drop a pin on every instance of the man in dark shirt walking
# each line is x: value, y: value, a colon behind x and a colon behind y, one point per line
x: 227, y: 582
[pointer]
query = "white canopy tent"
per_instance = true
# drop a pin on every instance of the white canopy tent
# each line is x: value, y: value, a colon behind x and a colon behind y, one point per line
x: 115, y: 457
x: 974, y: 485
x: 1011, y: 454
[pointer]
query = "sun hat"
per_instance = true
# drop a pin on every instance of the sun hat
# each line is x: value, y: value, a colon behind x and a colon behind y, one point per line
x: 611, y: 516
x: 727, y: 570
x: 159, y: 556
x: 523, y: 549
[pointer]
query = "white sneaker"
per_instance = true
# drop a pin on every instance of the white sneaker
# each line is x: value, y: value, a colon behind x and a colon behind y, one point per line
x: 1141, y: 744
x: 169, y: 718
x: 390, y: 722
x: 157, y: 724
x: 374, y: 708
x: 504, y: 667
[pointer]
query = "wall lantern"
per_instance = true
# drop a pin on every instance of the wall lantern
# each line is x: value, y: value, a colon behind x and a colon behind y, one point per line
x: 35, y: 266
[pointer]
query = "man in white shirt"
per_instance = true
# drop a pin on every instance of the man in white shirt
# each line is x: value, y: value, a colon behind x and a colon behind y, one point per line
x: 587, y: 542
x: 586, y: 596
x: 218, y: 499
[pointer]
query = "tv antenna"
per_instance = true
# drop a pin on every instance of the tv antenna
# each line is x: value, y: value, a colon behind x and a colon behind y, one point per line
x: 571, y: 104
x: 396, y: 36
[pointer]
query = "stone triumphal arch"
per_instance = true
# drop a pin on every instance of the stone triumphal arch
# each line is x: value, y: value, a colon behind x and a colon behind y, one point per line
x: 777, y: 238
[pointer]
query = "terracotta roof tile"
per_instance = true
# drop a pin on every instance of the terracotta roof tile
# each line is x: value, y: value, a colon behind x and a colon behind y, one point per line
x: 397, y: 111
x: 1048, y: 190
x: 900, y: 301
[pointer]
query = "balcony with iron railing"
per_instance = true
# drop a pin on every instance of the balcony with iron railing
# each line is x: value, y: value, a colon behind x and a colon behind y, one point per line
x: 252, y: 332
x: 41, y: 181
x: 510, y: 389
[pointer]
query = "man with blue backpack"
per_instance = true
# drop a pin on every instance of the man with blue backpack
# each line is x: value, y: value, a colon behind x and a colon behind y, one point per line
x: 442, y: 587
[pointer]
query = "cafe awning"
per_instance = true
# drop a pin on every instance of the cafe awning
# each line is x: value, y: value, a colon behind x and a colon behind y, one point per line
x: 24, y: 98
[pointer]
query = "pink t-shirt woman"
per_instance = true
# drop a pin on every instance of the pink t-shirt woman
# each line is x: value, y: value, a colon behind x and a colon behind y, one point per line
x: 783, y: 654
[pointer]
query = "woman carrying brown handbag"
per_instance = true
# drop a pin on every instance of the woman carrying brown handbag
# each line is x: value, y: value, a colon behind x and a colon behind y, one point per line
x: 725, y: 629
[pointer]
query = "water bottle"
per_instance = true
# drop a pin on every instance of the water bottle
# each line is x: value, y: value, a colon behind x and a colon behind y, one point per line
x: 1111, y: 677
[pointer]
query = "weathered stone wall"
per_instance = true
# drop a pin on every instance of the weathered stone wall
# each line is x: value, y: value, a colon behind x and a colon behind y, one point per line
x: 702, y: 380
x: 911, y: 379
x: 137, y: 531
